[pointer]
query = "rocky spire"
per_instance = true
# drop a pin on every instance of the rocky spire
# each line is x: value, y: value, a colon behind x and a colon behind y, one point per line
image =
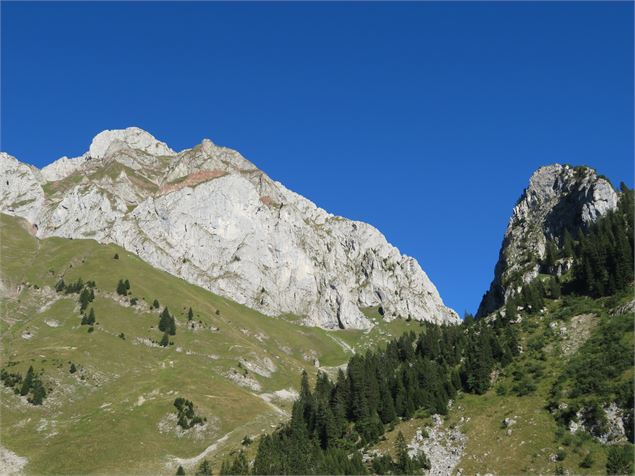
x: 559, y: 197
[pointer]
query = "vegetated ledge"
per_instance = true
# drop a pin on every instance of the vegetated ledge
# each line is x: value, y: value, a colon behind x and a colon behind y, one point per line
x: 191, y: 180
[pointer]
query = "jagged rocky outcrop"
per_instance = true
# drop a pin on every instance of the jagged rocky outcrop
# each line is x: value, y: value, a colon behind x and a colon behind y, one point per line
x: 210, y: 216
x: 558, y: 198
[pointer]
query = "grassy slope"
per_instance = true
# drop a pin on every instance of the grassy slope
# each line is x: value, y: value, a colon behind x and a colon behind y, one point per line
x: 109, y: 421
x: 535, y: 436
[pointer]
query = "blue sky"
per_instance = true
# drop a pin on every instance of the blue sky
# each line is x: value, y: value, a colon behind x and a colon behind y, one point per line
x: 423, y: 119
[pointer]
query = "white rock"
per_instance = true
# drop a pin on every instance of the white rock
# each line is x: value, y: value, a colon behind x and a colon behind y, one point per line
x: 132, y: 137
x: 211, y: 217
x: 558, y: 197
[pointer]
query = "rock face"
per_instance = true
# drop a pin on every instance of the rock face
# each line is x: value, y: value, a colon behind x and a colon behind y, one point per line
x: 559, y: 197
x: 210, y: 216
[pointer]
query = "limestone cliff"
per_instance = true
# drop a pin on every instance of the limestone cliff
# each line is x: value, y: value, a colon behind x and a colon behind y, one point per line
x: 210, y: 216
x: 558, y: 198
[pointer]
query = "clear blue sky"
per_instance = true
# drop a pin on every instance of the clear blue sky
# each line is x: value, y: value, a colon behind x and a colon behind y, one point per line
x: 423, y: 119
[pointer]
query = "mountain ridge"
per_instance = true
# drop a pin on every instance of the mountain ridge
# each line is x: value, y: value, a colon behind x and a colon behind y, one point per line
x: 209, y: 215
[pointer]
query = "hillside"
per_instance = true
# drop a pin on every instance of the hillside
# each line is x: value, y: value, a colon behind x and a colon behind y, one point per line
x: 542, y: 385
x: 516, y: 426
x: 115, y: 413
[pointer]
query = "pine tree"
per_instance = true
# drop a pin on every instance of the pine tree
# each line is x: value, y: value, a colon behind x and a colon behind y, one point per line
x: 121, y: 288
x: 39, y: 393
x: 91, y: 317
x: 404, y: 463
x: 205, y: 469
x: 60, y: 286
x: 72, y: 369
x: 551, y: 254
x: 568, y: 245
x: 240, y: 464
x: 180, y: 471
x: 165, y: 340
x: 166, y: 322
x: 84, y: 299
x: 155, y: 304
x: 27, y: 384
x: 127, y: 285
x: 190, y: 314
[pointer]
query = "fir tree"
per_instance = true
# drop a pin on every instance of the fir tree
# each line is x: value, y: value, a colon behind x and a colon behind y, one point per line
x: 190, y: 314
x: 155, y: 304
x: 28, y: 382
x: 122, y: 290
x: 180, y: 471
x: 60, y: 286
x: 39, y: 393
x: 91, y: 317
x: 205, y: 469
x: 165, y: 340
x: 404, y: 463
x: 84, y: 299
x: 166, y: 322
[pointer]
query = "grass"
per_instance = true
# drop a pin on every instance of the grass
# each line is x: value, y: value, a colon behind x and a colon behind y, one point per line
x: 535, y: 437
x: 110, y: 421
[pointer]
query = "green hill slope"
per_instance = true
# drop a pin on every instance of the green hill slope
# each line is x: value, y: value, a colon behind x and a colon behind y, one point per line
x: 115, y: 413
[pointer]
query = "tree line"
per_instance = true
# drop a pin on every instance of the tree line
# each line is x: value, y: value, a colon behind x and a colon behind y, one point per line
x: 413, y: 373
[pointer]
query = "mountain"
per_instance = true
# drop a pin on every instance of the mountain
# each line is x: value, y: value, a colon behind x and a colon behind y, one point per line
x: 541, y: 385
x: 210, y: 216
x: 110, y: 386
x: 559, y: 198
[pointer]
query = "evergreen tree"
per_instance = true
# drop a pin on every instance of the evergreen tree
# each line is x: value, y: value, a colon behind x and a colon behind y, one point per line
x: 122, y: 290
x: 28, y: 382
x: 404, y: 464
x: 240, y: 464
x: 166, y: 322
x: 60, y: 286
x: 165, y: 340
x: 551, y: 254
x: 127, y: 285
x: 91, y: 317
x: 205, y: 469
x: 568, y: 245
x: 84, y: 299
x: 190, y: 314
x: 180, y: 471
x: 155, y: 304
x: 39, y: 393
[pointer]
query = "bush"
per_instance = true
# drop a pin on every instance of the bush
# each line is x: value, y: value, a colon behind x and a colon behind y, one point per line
x: 587, y: 461
x: 619, y: 460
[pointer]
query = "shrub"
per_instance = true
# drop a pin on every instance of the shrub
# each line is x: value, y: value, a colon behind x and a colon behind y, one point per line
x: 619, y: 460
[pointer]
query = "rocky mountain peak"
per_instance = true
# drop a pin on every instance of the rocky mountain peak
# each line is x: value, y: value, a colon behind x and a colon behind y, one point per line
x: 132, y: 137
x: 210, y: 216
x: 558, y: 198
